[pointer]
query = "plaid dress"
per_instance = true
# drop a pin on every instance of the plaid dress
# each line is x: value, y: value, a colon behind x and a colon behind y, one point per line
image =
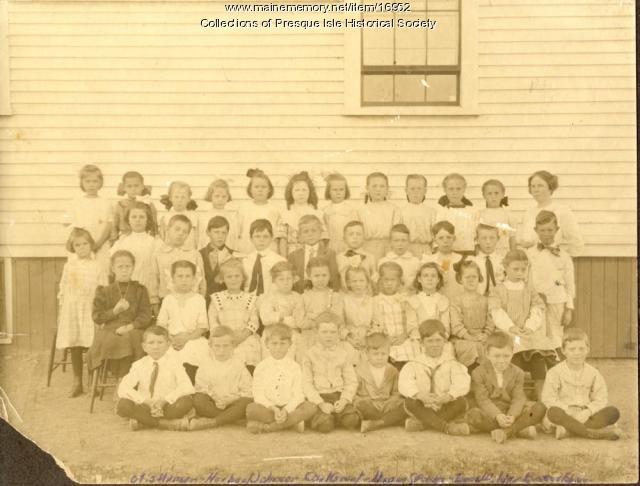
x: 393, y: 316
x: 78, y: 284
x: 238, y: 311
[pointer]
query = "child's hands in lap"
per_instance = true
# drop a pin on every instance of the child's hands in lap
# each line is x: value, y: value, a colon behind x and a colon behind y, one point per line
x: 179, y: 340
x: 340, y: 405
x: 281, y: 416
x: 157, y: 408
x: 399, y: 339
x: 582, y: 416
x: 326, y: 407
x: 504, y: 420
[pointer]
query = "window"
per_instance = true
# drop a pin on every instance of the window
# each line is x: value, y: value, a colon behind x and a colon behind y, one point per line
x: 395, y: 67
x: 5, y: 105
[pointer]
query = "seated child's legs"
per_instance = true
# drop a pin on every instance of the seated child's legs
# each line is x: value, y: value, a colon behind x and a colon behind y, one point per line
x: 603, y: 418
x: 206, y: 407
x: 531, y: 415
x: 482, y: 421
x: 348, y: 417
x: 393, y: 412
x: 140, y: 412
x: 323, y: 422
x: 179, y: 408
x: 303, y: 412
x: 368, y: 410
x: 432, y: 419
x: 260, y: 413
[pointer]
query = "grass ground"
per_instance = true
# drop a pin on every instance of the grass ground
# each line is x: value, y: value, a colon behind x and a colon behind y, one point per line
x: 100, y: 447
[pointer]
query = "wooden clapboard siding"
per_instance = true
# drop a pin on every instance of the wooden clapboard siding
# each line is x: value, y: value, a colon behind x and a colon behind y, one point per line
x: 35, y: 283
x: 140, y: 85
x: 606, y: 305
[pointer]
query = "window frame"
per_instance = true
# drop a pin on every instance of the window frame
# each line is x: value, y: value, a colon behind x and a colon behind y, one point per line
x: 468, y: 78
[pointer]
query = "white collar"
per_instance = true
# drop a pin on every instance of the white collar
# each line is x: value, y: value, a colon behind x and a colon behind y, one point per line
x: 514, y: 285
x: 310, y: 248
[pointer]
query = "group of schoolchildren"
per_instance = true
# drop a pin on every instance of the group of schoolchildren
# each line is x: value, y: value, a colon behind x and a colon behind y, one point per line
x: 352, y: 316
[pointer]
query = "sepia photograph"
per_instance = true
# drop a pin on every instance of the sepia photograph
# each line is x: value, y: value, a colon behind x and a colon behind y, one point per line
x: 321, y: 242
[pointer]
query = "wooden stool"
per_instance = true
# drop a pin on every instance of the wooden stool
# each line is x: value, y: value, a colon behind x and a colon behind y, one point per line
x: 63, y: 362
x: 100, y: 380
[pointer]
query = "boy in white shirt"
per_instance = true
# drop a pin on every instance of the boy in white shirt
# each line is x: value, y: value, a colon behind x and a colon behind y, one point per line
x: 223, y: 384
x: 184, y: 314
x: 279, y: 401
x: 552, y: 275
x: 258, y: 263
x: 399, y: 244
x: 488, y: 259
x: 434, y: 385
x: 156, y: 392
x: 575, y: 394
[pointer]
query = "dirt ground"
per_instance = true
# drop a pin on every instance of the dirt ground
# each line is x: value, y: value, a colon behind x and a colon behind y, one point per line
x: 99, y: 447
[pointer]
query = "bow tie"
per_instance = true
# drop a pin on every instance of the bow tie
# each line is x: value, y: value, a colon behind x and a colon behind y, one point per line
x: 351, y: 253
x: 553, y: 249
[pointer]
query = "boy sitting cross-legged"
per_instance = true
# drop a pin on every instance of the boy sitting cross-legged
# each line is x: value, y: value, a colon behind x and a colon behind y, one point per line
x: 279, y: 401
x: 575, y: 393
x: 498, y: 387
x: 330, y: 381
x: 157, y: 391
x: 223, y: 383
x: 434, y: 385
x: 378, y: 401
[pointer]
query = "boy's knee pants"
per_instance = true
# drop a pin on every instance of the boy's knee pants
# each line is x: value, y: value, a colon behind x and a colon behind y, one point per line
x: 325, y: 422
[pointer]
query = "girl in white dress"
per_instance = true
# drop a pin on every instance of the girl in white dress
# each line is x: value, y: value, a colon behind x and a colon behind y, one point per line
x: 459, y: 211
x: 93, y: 213
x: 497, y: 214
x: 237, y: 309
x: 302, y: 199
x: 81, y: 276
x: 139, y: 241
x: 429, y: 303
x: 260, y: 190
x: 377, y: 215
x: 339, y: 212
x: 219, y: 196
x: 358, y: 308
x: 178, y: 201
x: 417, y: 215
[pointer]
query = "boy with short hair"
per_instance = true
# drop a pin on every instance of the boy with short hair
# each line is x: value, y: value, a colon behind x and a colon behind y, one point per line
x: 399, y: 244
x: 378, y: 400
x: 279, y: 401
x: 215, y: 253
x: 488, y: 259
x: 552, y: 275
x: 310, y: 235
x: 355, y: 256
x: 171, y: 251
x: 184, y: 314
x: 329, y: 380
x: 223, y: 384
x: 575, y: 394
x: 157, y: 391
x: 395, y: 317
x: 258, y: 263
x: 434, y: 385
x: 498, y: 388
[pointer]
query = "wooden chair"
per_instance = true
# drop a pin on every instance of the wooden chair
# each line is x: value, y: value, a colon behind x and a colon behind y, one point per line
x: 54, y: 362
x: 100, y: 381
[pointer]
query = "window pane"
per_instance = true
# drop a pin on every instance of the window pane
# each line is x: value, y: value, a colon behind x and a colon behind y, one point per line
x: 411, y: 43
x: 410, y: 89
x: 377, y: 44
x: 442, y: 42
x: 442, y: 88
x: 377, y: 88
